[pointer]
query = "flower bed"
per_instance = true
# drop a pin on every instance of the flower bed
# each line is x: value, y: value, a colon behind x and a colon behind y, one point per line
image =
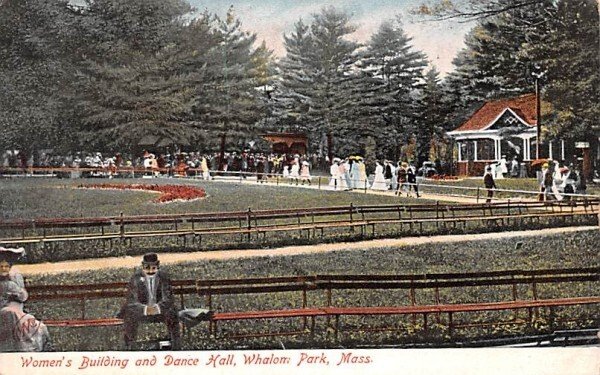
x: 168, y: 193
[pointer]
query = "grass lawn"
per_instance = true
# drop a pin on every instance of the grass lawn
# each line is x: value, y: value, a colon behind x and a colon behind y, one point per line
x: 551, y: 251
x: 34, y: 198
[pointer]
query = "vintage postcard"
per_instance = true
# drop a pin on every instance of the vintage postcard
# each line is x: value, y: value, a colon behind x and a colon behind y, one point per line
x: 341, y: 186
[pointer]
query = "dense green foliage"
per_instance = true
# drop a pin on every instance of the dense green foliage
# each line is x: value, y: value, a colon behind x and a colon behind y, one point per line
x: 511, y: 40
x: 120, y: 75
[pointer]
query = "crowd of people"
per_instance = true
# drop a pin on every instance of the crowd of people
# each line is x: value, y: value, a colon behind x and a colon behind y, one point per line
x: 245, y: 161
x: 555, y: 181
x: 351, y: 173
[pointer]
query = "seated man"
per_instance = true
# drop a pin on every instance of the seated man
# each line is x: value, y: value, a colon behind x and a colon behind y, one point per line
x: 19, y: 331
x: 150, y: 299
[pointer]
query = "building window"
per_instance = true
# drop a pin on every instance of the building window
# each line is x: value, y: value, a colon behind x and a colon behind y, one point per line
x: 486, y: 149
x: 467, y: 151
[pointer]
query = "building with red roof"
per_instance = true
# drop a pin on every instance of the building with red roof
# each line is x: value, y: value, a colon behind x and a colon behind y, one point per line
x: 504, y: 128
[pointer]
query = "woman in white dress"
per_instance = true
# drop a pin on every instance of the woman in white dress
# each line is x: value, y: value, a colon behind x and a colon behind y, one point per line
x: 379, y: 182
x: 355, y: 172
x: 295, y: 172
x: 348, y: 164
x: 305, y: 172
x: 342, y: 173
x: 362, y: 173
x: 498, y: 171
x: 204, y: 167
x: 334, y: 170
x: 556, y: 181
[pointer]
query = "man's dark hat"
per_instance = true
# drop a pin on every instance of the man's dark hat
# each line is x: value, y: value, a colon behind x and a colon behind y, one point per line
x: 150, y: 258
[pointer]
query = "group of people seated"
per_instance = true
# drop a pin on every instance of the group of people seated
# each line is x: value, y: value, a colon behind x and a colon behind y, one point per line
x: 19, y: 331
x: 149, y: 299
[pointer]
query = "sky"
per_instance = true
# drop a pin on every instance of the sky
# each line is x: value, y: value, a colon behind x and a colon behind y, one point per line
x: 270, y: 19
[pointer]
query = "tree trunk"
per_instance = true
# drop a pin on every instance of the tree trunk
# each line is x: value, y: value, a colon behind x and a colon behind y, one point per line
x: 330, y: 146
x: 222, y: 152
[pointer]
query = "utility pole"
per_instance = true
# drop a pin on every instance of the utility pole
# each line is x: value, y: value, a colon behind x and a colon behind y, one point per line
x: 538, y: 117
x: 537, y: 74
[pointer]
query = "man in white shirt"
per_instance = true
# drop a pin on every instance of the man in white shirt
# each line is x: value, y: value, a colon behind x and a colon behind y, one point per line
x: 150, y: 299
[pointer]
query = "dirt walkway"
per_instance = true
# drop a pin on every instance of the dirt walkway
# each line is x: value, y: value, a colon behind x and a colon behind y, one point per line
x: 425, y: 196
x: 172, y: 258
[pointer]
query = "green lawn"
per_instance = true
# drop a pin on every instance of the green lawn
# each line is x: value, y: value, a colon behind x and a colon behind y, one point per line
x: 35, y: 197
x: 550, y: 251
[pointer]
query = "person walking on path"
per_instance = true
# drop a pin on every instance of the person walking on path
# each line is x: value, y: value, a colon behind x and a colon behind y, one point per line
x: 334, y: 170
x: 411, y: 178
x: 490, y: 184
x: 305, y: 172
x: 547, y: 181
x: 402, y: 178
x: 379, y: 182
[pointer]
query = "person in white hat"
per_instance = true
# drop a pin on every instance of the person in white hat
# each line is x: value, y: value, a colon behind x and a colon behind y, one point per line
x: 334, y: 170
x: 8, y: 257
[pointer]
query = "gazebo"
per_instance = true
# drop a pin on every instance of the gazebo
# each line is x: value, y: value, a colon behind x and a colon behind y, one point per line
x: 287, y: 143
x: 505, y: 127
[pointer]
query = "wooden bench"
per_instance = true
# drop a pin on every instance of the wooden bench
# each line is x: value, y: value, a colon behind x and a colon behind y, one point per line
x: 103, y: 322
x: 295, y: 284
x: 80, y: 295
x: 450, y: 309
x: 265, y: 315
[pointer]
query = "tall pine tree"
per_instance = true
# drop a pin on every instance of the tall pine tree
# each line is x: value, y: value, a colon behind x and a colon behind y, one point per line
x: 393, y: 72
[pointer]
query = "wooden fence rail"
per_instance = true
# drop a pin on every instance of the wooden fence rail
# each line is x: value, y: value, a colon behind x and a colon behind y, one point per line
x: 81, y: 295
x: 309, y: 221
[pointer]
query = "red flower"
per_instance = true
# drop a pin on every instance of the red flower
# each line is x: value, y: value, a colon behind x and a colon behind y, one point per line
x: 169, y: 193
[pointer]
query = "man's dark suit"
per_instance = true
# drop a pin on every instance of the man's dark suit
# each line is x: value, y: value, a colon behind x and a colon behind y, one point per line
x: 137, y: 298
x: 488, y: 181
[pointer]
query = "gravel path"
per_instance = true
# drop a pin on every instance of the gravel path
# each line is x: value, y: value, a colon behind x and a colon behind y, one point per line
x: 172, y: 258
x: 426, y: 196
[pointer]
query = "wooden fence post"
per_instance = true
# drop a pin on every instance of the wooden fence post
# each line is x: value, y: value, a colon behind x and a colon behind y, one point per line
x: 121, y: 226
x: 249, y: 217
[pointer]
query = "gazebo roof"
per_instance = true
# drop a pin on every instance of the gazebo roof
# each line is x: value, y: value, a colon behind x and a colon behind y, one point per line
x: 287, y: 138
x: 522, y: 106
